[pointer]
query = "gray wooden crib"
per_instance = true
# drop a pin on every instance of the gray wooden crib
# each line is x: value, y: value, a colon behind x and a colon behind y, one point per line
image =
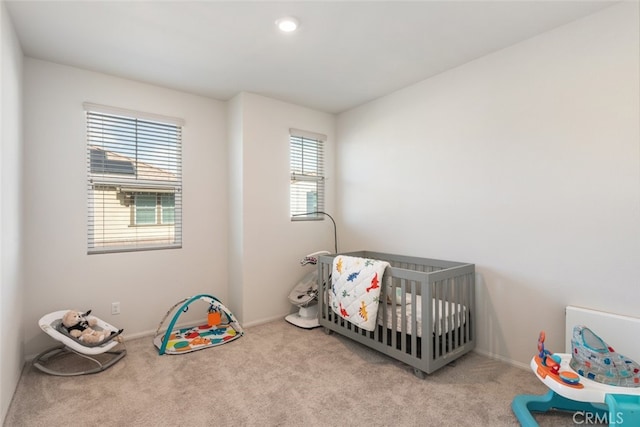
x: 426, y: 313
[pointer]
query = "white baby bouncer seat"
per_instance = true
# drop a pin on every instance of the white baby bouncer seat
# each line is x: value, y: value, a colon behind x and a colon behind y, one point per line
x: 305, y: 296
x: 101, y: 355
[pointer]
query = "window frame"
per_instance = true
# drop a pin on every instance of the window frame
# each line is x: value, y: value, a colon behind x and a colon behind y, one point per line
x: 306, y: 171
x: 132, y: 154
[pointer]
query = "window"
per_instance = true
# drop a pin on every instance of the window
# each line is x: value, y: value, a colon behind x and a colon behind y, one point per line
x: 307, y: 175
x: 167, y: 208
x: 154, y: 208
x: 134, y: 180
x: 145, y: 207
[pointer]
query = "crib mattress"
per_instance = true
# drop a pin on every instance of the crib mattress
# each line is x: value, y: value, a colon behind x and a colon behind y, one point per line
x: 449, y: 318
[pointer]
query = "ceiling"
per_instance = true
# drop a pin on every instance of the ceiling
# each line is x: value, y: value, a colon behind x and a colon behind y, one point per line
x: 344, y: 54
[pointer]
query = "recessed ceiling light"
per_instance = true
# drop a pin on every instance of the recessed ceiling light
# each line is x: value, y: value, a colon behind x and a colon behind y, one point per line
x: 287, y: 24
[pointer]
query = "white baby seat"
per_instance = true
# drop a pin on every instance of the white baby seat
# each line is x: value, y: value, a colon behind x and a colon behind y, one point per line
x: 305, y: 296
x: 52, y: 324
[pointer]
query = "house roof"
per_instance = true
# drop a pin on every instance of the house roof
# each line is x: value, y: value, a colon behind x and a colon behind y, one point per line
x: 110, y: 164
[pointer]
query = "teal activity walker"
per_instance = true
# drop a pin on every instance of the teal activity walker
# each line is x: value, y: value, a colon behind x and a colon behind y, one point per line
x: 582, y: 383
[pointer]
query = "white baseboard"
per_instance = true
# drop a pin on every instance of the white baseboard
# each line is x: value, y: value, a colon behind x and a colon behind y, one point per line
x: 263, y: 321
x: 151, y: 332
x: 503, y: 359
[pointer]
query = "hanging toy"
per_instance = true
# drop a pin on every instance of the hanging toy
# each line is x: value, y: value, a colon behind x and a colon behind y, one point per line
x: 552, y: 362
x: 214, y: 316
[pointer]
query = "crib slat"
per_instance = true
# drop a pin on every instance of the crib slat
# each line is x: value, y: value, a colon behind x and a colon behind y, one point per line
x: 413, y: 320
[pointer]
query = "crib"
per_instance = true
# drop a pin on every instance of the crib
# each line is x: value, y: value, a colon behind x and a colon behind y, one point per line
x: 426, y: 313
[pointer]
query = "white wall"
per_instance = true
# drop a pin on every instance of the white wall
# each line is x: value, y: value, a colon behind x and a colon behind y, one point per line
x: 236, y: 208
x: 525, y: 162
x: 58, y: 272
x: 11, y: 283
x: 266, y: 258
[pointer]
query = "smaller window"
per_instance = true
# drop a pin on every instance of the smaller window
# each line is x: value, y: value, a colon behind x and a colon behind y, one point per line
x: 306, y: 189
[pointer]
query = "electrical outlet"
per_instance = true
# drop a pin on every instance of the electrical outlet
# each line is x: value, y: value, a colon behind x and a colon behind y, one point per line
x: 115, y: 308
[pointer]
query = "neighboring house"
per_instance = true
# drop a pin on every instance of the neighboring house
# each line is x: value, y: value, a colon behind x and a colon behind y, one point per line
x: 129, y: 201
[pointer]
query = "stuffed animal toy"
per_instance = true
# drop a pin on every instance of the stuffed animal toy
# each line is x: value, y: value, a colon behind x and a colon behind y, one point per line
x: 80, y: 326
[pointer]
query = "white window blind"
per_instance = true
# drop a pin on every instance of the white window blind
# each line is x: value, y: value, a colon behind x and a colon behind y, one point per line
x: 307, y: 175
x: 134, y: 181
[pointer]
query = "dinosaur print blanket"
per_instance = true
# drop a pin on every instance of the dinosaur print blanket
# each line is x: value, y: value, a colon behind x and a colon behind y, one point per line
x: 355, y: 289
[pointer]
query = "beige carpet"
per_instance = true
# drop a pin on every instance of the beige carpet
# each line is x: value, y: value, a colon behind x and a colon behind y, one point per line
x: 276, y: 375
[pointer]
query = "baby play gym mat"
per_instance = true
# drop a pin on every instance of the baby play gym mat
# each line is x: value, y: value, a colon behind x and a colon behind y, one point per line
x: 221, y: 327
